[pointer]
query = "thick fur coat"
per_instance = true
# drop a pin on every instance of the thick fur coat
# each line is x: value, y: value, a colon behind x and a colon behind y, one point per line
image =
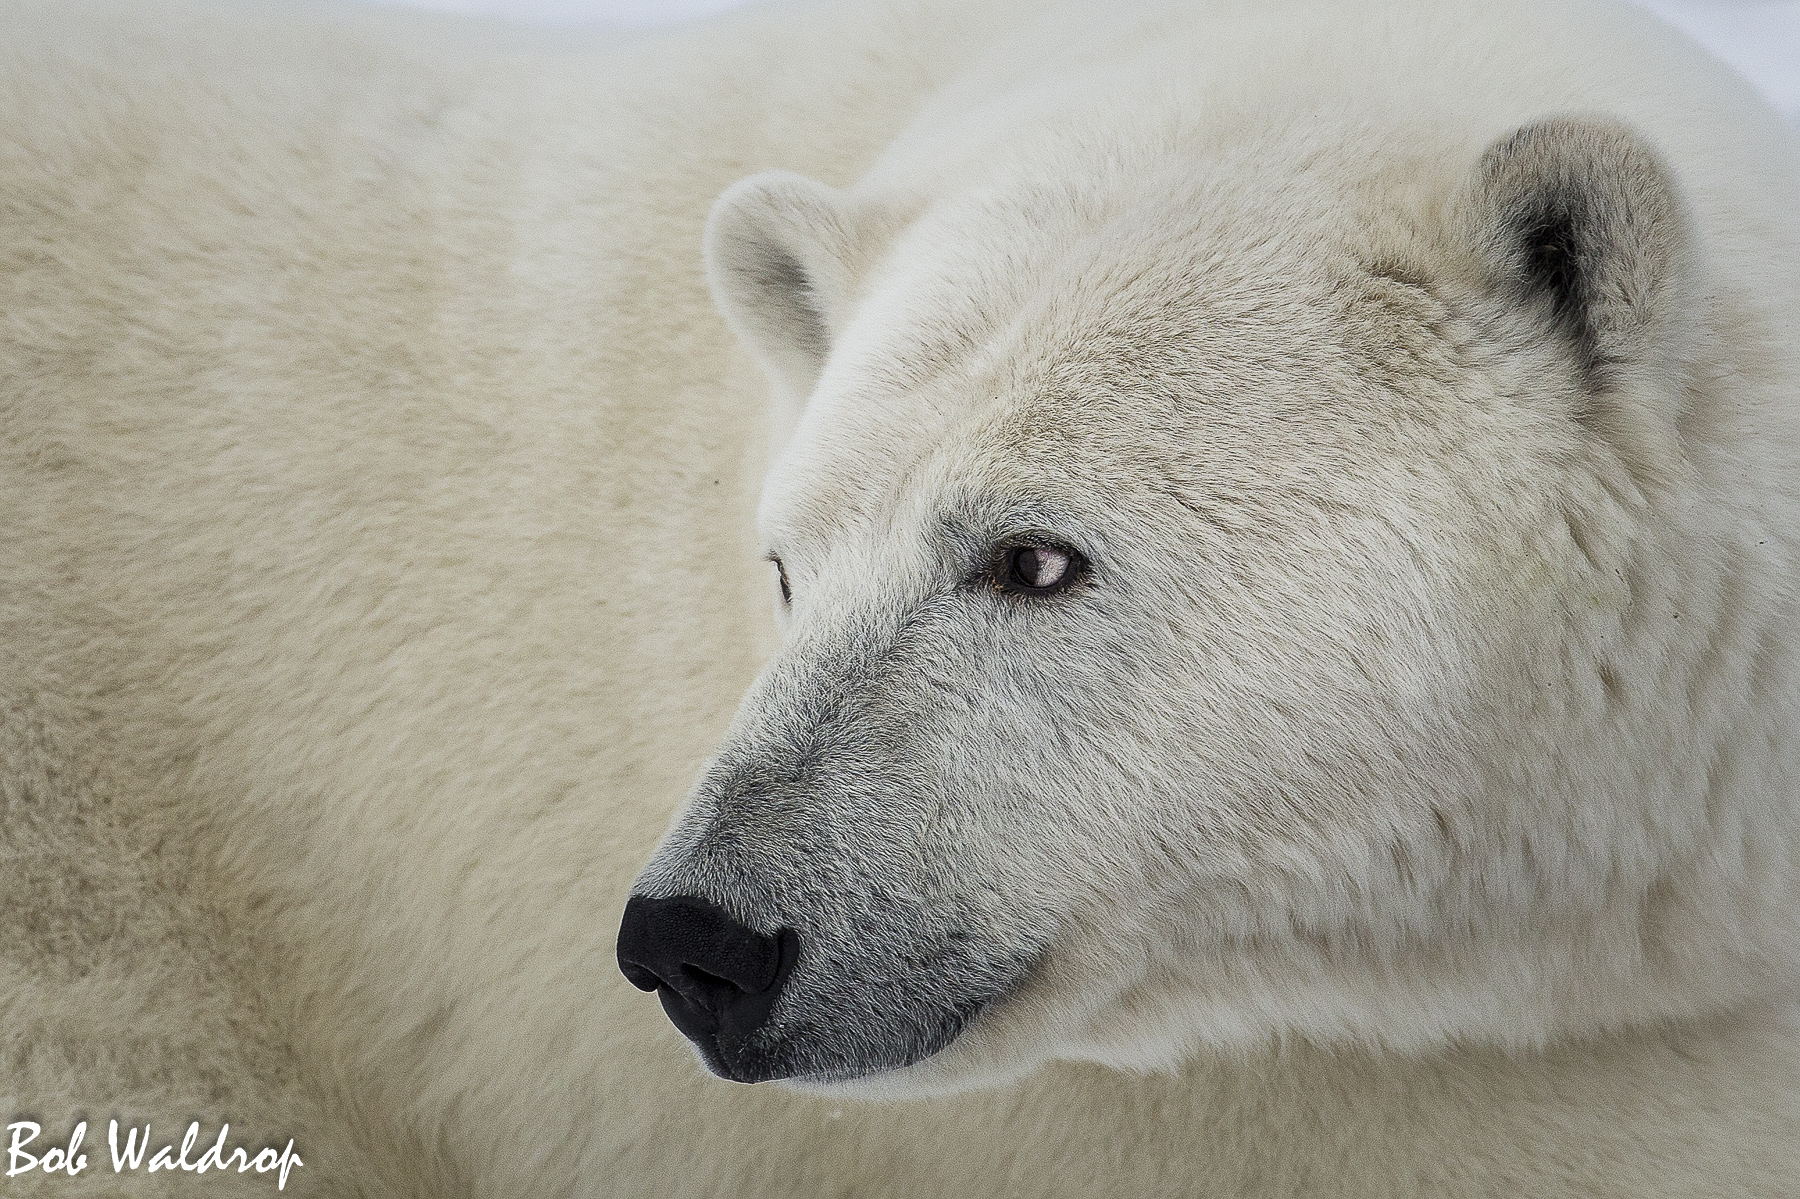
x: 1405, y: 807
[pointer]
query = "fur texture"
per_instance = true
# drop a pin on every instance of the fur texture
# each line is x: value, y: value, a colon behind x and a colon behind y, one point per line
x: 1407, y: 795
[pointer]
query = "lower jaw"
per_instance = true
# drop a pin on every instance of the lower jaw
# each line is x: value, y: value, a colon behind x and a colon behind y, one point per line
x: 935, y: 1061
x: 852, y: 1078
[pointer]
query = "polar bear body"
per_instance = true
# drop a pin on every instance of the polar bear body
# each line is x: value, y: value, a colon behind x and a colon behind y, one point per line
x: 380, y: 570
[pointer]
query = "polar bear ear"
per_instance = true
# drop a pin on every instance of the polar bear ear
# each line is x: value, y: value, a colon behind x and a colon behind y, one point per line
x: 779, y: 250
x: 1581, y: 224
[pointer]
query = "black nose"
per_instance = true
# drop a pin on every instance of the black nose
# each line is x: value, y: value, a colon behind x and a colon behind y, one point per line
x: 718, y: 979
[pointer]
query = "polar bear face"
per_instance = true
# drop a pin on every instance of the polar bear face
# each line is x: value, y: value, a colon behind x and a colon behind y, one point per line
x: 1207, y: 600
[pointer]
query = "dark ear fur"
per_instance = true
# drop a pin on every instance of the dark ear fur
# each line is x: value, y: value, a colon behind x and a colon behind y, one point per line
x: 1580, y: 222
x: 779, y: 252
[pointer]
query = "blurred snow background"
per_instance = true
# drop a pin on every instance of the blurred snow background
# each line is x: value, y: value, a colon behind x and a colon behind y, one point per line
x: 1761, y: 38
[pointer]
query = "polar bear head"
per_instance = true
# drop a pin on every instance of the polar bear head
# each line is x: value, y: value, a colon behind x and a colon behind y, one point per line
x: 1231, y: 594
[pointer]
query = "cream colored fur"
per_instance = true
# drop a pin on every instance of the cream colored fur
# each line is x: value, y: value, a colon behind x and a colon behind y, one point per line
x: 378, y: 569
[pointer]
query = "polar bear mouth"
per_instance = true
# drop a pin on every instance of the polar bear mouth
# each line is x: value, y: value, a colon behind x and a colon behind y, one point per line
x: 788, y: 1055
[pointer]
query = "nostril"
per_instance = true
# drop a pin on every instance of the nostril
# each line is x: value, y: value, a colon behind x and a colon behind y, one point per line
x: 706, y: 985
x: 639, y: 976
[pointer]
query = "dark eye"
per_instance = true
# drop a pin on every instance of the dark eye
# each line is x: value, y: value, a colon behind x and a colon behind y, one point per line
x: 787, y: 594
x: 1038, y: 569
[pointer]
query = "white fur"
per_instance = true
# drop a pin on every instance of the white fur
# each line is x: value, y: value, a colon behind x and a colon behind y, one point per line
x: 378, y: 569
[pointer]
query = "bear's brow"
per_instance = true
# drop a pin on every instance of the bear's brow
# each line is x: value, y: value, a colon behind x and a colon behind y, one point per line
x: 967, y: 527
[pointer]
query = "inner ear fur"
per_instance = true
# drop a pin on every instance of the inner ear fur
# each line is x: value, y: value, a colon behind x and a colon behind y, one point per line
x: 1579, y: 222
x: 779, y: 258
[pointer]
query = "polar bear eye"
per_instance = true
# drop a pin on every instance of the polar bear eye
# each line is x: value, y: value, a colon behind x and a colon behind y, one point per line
x: 1037, y: 569
x: 787, y: 593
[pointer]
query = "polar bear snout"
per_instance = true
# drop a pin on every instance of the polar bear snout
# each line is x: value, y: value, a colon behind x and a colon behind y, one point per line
x: 717, y: 978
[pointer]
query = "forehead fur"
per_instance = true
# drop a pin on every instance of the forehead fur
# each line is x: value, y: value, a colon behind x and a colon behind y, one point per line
x: 1272, y: 321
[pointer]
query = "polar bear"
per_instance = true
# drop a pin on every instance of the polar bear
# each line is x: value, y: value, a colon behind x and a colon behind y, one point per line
x: 1271, y: 676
